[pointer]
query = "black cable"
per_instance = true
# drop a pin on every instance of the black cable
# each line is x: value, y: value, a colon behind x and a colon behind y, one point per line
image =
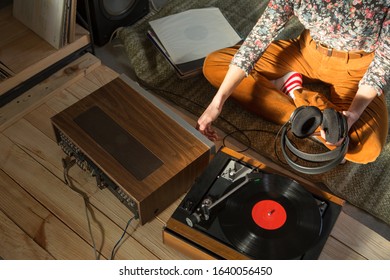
x: 235, y: 128
x: 114, y: 250
x: 245, y: 135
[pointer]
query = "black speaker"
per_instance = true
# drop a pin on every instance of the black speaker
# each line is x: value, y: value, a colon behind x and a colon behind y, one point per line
x: 105, y: 16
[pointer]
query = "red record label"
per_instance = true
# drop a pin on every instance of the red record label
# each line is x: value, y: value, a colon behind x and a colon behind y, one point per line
x: 269, y: 214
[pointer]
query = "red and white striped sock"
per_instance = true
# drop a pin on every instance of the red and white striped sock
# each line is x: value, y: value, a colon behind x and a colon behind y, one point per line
x: 288, y: 83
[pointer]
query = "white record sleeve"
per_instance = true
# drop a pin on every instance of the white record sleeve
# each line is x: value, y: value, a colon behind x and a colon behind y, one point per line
x: 193, y: 34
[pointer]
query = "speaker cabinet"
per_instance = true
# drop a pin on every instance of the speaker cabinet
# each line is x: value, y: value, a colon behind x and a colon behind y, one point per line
x: 108, y: 15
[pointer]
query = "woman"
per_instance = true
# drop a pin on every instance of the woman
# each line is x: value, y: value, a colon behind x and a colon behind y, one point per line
x: 345, y: 44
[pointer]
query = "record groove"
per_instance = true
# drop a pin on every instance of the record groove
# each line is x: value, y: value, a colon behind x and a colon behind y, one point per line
x: 287, y: 239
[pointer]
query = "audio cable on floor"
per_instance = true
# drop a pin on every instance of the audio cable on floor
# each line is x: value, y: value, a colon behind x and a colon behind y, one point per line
x: 115, y: 249
x: 67, y: 164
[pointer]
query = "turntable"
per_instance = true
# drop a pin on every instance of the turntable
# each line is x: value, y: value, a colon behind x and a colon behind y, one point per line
x: 240, y: 208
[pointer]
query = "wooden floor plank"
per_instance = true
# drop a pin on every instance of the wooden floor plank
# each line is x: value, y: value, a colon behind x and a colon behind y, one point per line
x: 102, y: 76
x: 41, y: 147
x: 360, y: 238
x: 61, y: 101
x: 17, y: 203
x: 16, y: 245
x: 64, y: 203
x: 40, y: 117
x: 335, y: 250
x: 149, y: 235
x: 92, y: 81
x: 32, y: 98
x: 39, y: 224
x: 35, y: 142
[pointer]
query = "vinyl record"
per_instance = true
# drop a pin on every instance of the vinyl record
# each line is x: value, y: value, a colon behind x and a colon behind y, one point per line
x: 273, y: 217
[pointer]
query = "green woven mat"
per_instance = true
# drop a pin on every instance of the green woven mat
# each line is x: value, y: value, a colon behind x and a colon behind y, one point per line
x: 365, y: 186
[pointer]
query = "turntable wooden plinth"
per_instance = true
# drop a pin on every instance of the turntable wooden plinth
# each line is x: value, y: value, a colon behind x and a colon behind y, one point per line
x: 134, y: 145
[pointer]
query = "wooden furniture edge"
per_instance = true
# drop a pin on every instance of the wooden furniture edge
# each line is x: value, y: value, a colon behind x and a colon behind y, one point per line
x: 82, y: 41
x: 37, y: 95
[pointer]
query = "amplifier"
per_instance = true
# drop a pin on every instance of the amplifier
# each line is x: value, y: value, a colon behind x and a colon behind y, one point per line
x: 134, y: 145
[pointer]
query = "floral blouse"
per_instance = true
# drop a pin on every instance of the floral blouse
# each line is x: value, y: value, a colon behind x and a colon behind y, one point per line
x: 343, y: 25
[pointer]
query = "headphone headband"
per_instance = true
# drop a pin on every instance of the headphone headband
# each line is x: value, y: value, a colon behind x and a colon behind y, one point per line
x: 302, y: 127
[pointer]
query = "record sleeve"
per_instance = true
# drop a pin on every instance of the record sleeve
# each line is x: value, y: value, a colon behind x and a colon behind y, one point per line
x: 193, y: 34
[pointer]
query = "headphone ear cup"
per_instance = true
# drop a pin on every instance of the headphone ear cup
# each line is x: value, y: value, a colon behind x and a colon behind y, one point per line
x: 343, y: 125
x: 305, y: 121
x: 333, y: 124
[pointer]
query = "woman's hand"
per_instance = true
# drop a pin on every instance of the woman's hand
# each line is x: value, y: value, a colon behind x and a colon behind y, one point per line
x: 362, y: 99
x: 205, y: 121
x: 351, y: 119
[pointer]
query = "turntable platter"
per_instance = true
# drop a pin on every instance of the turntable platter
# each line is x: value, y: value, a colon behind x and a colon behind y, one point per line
x: 272, y: 217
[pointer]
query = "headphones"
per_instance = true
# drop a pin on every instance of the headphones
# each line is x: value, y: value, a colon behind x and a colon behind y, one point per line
x: 303, y: 122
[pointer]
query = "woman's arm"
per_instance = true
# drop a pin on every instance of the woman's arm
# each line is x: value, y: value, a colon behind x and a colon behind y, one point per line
x: 233, y: 77
x: 362, y: 99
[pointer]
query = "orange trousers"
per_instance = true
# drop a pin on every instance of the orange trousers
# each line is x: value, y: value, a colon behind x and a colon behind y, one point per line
x: 257, y: 94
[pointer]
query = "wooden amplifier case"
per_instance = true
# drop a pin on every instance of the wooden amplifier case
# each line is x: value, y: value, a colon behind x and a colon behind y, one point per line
x: 145, y: 153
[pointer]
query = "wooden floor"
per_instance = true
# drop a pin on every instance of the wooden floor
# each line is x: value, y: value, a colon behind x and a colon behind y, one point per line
x: 42, y: 218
